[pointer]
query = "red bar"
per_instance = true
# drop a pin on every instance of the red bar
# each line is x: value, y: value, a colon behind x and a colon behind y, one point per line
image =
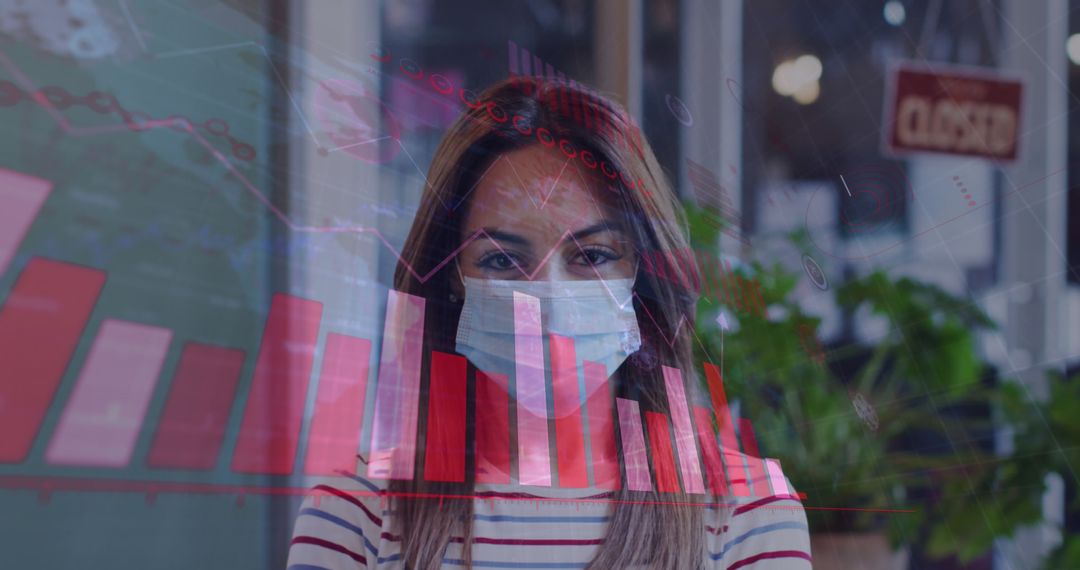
x: 690, y: 267
x: 731, y: 287
x: 270, y: 430
x: 667, y: 480
x: 729, y: 445
x: 599, y: 406
x: 563, y: 94
x: 493, y: 428
x: 575, y: 103
x: 334, y: 438
x: 710, y: 451
x: 569, y: 432
x: 588, y: 109
x: 758, y: 477
x: 444, y: 456
x: 754, y: 300
x: 192, y: 426
x: 40, y: 324
x: 703, y: 259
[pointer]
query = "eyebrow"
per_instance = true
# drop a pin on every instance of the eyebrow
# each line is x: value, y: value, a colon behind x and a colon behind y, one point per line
x: 508, y: 237
x: 601, y: 226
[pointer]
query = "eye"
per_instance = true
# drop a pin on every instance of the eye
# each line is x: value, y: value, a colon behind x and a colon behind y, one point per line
x: 498, y: 261
x: 596, y: 256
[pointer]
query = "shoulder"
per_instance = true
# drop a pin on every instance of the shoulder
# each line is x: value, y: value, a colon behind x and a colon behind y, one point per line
x: 761, y: 521
x: 339, y: 523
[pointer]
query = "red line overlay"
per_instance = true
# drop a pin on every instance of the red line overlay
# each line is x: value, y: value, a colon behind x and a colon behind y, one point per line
x: 48, y: 485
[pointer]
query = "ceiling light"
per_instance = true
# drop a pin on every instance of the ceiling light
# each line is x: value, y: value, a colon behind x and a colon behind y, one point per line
x: 894, y: 12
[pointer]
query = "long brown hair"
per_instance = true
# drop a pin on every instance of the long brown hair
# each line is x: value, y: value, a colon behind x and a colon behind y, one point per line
x: 650, y: 530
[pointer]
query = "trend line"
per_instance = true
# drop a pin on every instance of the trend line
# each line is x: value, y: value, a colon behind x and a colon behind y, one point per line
x: 131, y: 22
x: 180, y: 125
x: 45, y: 486
x: 193, y: 51
x: 846, y: 186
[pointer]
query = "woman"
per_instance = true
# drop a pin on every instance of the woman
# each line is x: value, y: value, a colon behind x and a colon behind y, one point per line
x: 535, y: 205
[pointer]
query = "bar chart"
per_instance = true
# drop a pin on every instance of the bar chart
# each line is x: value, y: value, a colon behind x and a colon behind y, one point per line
x: 555, y: 422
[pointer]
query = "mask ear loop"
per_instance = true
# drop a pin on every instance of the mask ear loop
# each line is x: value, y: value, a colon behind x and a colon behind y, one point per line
x: 457, y: 269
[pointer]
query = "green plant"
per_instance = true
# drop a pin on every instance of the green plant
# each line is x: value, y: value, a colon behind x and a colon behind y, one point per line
x: 1045, y: 432
x: 928, y: 447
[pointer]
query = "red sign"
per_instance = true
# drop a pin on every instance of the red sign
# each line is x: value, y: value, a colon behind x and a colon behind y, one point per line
x: 951, y: 110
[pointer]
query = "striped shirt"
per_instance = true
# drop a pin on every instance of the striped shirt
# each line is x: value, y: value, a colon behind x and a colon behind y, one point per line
x: 345, y: 524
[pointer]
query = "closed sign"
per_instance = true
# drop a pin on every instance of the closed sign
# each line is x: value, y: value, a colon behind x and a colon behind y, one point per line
x: 953, y: 111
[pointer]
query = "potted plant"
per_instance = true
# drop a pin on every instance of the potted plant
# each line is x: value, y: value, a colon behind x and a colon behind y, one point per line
x: 902, y: 424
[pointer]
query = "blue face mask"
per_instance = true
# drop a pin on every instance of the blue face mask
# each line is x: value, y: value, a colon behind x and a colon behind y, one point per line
x: 597, y: 315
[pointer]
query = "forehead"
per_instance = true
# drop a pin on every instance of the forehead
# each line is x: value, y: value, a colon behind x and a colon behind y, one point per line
x: 539, y: 187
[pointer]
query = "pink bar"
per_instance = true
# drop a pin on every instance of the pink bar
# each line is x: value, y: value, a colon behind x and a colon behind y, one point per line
x: 512, y: 48
x: 21, y: 198
x: 274, y: 413
x: 334, y: 440
x: 192, y: 427
x: 397, y: 396
x: 605, y: 457
x: 101, y: 420
x: 534, y: 455
x: 633, y: 442
x: 689, y: 462
x: 776, y: 477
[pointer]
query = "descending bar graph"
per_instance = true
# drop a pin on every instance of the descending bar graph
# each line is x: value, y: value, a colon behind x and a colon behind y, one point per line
x: 21, y: 198
x: 40, y: 325
x: 776, y: 477
x: 192, y: 427
x: 48, y: 308
x: 633, y: 445
x: 569, y: 431
x: 493, y: 444
x: 754, y: 463
x: 397, y: 396
x: 602, y: 446
x: 274, y: 411
x: 729, y: 445
x: 334, y: 437
x: 714, y: 467
x: 667, y: 480
x: 101, y: 421
x: 50, y: 304
x: 444, y: 455
x: 534, y: 458
x: 689, y: 463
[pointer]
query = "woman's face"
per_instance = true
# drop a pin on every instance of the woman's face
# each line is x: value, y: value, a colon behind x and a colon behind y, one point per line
x: 538, y: 211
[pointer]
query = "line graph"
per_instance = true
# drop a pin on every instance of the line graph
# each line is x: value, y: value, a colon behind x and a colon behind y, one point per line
x: 186, y: 128
x: 243, y: 459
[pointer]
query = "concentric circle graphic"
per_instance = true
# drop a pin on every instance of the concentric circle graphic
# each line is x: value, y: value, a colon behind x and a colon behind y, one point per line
x: 346, y: 111
x: 814, y: 272
x: 873, y: 199
x: 679, y: 110
x: 875, y: 196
